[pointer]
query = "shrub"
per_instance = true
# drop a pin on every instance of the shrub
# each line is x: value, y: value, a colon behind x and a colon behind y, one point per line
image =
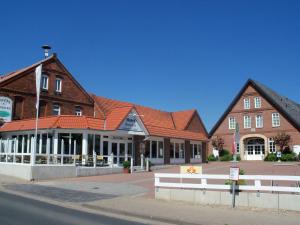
x: 126, y: 164
x: 212, y: 158
x: 288, y: 157
x: 271, y: 157
x: 224, y: 152
x: 226, y: 157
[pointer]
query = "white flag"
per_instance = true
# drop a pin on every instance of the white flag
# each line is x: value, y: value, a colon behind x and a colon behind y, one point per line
x: 38, y: 75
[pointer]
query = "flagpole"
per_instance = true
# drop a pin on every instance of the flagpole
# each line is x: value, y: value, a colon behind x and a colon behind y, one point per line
x: 38, y: 74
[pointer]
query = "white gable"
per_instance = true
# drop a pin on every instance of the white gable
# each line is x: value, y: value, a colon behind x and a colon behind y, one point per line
x: 133, y: 124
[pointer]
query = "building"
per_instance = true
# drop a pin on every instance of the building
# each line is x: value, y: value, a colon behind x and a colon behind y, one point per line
x: 60, y: 92
x: 261, y: 113
x: 80, y: 129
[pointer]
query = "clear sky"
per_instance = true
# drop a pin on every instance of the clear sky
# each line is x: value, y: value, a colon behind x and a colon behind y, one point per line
x: 171, y: 55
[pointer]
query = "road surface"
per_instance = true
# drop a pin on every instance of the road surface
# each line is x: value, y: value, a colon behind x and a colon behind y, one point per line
x: 16, y: 210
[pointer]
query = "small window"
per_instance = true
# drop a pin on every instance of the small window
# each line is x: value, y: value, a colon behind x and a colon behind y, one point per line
x: 259, y: 121
x: 231, y: 121
x: 272, y: 146
x: 247, y: 122
x: 56, y: 109
x: 44, y: 82
x: 275, y: 120
x: 246, y: 103
x: 78, y: 111
x: 257, y: 102
x: 58, y: 83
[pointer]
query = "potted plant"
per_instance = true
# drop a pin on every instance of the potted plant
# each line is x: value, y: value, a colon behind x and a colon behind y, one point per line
x: 126, y: 166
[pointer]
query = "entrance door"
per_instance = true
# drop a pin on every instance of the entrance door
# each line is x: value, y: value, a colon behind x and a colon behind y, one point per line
x: 254, y: 149
x: 119, y: 151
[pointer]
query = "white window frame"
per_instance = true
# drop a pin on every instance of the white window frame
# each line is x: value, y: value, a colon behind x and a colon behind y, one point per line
x: 259, y: 122
x: 157, y: 149
x: 246, y: 103
x: 247, y: 123
x: 180, y: 143
x: 231, y: 123
x: 272, y: 146
x: 59, y: 109
x: 60, y: 86
x: 199, y: 150
x: 275, y: 120
x: 257, y: 102
x: 44, y: 85
x: 78, y: 112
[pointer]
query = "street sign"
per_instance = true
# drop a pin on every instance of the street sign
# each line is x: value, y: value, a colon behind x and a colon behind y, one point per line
x: 234, y: 173
x: 278, y: 154
x: 191, y: 169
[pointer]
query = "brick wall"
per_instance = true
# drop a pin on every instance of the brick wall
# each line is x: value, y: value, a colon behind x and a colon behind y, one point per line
x: 266, y: 111
x: 21, y: 89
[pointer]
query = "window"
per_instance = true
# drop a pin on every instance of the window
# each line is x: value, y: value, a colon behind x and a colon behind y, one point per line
x: 247, y: 122
x: 272, y: 146
x: 157, y: 149
x: 58, y: 83
x: 259, y: 121
x: 196, y: 151
x: 231, y: 121
x: 275, y: 120
x: 56, y: 110
x: 257, y: 102
x: 246, y: 103
x: 78, y: 111
x: 44, y: 81
x: 177, y: 150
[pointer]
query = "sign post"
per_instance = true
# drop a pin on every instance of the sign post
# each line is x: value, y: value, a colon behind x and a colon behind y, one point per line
x: 234, y: 177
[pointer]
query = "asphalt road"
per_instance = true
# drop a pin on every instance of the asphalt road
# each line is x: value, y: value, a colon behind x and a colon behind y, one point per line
x: 15, y: 210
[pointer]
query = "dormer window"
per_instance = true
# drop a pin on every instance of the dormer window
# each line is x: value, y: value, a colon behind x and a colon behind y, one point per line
x: 58, y: 84
x: 44, y: 82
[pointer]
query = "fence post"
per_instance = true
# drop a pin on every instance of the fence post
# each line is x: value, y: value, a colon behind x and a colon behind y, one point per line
x: 147, y: 164
x: 142, y: 161
x: 131, y: 165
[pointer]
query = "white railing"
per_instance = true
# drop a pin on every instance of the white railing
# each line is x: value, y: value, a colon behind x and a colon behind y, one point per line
x: 201, y: 182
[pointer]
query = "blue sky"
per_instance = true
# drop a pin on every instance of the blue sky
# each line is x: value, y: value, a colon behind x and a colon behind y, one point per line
x: 171, y: 55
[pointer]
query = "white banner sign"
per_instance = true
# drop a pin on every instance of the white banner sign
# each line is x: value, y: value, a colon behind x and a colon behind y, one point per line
x: 131, y: 124
x: 5, y: 108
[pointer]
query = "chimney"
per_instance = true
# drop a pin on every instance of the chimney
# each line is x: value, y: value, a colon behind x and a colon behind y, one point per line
x: 46, y: 50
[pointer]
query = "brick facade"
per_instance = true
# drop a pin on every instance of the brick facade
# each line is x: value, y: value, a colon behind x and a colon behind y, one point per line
x: 266, y: 132
x: 21, y: 89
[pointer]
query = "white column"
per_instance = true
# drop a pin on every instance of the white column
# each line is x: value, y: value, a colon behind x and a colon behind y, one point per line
x: 84, y: 147
x: 16, y: 141
x: 32, y: 151
x: 70, y: 143
x: 48, y: 150
x: 40, y: 144
x: 23, y: 143
x: 55, y: 144
x: 28, y: 143
x: 62, y: 151
x: 74, y: 152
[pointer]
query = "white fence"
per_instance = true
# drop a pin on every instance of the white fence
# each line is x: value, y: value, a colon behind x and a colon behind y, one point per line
x: 200, y: 181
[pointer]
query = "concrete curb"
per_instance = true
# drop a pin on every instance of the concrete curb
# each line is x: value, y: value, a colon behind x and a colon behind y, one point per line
x: 140, y: 216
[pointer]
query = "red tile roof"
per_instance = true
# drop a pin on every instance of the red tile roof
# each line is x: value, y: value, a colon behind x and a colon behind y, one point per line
x: 182, y: 118
x: 157, y: 122
x: 64, y: 122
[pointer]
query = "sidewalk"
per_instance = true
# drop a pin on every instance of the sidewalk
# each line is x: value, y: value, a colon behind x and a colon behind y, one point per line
x: 183, y: 213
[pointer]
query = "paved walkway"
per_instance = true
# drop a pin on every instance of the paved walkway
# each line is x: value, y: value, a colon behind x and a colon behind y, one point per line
x: 133, y: 195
